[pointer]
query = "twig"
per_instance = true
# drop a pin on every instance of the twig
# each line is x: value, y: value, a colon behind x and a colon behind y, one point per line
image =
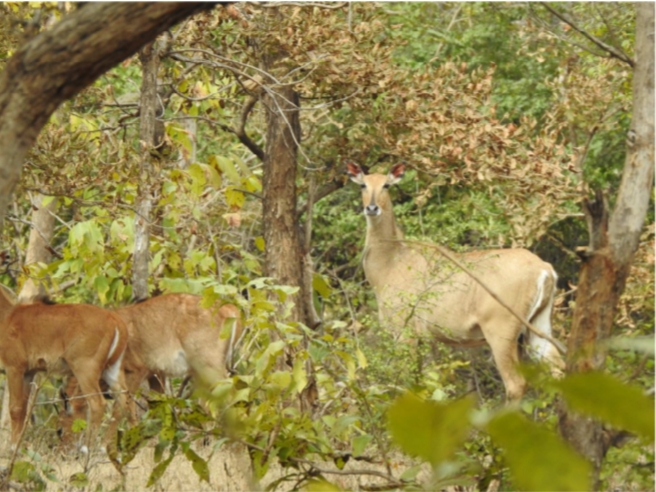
x: 34, y: 391
x: 320, y: 194
x: 241, y: 129
x: 449, y: 256
x: 313, y: 466
x: 246, y: 192
x: 611, y: 50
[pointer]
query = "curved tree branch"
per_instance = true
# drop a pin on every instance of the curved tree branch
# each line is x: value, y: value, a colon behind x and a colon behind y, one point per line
x: 60, y: 62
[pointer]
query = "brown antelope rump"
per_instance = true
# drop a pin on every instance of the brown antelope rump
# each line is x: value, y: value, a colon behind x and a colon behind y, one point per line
x: 173, y: 336
x: 78, y: 339
x: 416, y: 286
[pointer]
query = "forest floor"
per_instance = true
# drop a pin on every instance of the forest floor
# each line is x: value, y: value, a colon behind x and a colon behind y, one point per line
x: 229, y: 468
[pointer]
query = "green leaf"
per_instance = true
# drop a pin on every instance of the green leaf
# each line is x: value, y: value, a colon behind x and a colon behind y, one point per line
x: 359, y: 443
x: 79, y: 425
x: 47, y: 200
x: 266, y: 359
x: 227, y: 167
x: 158, y: 471
x: 299, y: 374
x: 169, y: 187
x: 320, y: 285
x: 235, y: 199
x: 428, y: 429
x: 343, y: 422
x: 281, y: 379
x: 86, y: 234
x: 253, y: 184
x: 101, y: 284
x: 410, y: 473
x: 362, y: 360
x: 198, y: 464
x: 180, y: 137
x: 538, y: 459
x: 79, y: 480
x: 320, y: 485
x: 350, y: 363
x: 605, y: 397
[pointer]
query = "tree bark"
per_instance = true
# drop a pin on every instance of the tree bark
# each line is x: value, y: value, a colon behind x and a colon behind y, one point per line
x: 149, y: 57
x: 38, y: 247
x: 59, y: 62
x: 285, y: 258
x: 281, y: 235
x: 613, y: 243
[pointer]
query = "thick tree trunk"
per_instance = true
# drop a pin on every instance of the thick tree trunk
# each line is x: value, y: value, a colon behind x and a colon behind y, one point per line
x: 613, y: 243
x: 58, y: 63
x: 281, y: 235
x: 149, y: 57
x: 285, y: 258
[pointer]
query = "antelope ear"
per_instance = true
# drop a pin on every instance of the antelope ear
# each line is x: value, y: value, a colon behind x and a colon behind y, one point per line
x: 396, y: 173
x: 355, y: 172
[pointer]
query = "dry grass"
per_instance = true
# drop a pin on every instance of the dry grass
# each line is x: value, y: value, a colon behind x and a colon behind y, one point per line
x: 230, y: 470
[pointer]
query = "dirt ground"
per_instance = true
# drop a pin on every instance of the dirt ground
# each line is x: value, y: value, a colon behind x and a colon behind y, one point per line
x: 229, y: 467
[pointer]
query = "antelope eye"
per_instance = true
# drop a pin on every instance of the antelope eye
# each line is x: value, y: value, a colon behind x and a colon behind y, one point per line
x: 363, y: 186
x: 386, y: 185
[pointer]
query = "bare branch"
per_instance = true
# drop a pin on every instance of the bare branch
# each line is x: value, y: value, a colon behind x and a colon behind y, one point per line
x: 241, y: 129
x: 243, y: 138
x: 322, y: 193
x: 611, y: 50
x: 449, y: 256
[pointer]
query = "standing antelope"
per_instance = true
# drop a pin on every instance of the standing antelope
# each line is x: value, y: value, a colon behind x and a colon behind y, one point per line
x: 173, y: 336
x: 415, y: 285
x: 79, y: 339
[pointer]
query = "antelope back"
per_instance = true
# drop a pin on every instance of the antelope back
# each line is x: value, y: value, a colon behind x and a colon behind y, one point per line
x: 172, y: 333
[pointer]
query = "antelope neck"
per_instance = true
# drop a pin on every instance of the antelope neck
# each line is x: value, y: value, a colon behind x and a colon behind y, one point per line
x: 382, y: 232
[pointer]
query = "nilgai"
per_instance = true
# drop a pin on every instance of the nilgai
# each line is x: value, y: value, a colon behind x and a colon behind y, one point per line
x: 81, y: 340
x: 172, y: 335
x: 416, y: 286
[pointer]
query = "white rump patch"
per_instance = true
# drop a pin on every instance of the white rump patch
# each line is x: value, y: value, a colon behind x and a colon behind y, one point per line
x: 114, y: 343
x: 110, y: 374
x: 540, y: 347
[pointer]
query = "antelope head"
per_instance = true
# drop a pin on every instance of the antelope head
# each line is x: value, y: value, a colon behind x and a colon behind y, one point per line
x: 375, y: 195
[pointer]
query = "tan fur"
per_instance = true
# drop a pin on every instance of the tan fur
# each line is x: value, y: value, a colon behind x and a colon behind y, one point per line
x: 417, y: 287
x: 78, y: 339
x: 173, y: 336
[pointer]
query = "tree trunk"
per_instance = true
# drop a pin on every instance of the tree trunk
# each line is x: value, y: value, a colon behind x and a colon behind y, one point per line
x: 38, y: 247
x: 613, y: 243
x: 285, y: 258
x: 149, y: 57
x: 59, y: 62
x: 281, y: 235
